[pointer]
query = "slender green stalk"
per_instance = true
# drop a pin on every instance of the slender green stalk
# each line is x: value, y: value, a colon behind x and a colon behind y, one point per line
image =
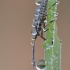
x: 52, y: 45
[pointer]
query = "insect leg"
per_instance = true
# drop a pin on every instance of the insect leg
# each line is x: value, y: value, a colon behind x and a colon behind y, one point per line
x: 33, y: 58
x: 45, y: 24
x: 57, y: 2
x: 33, y: 50
x: 41, y: 35
x: 44, y: 27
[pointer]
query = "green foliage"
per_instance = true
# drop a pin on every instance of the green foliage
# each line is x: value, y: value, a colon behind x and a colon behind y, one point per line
x: 52, y: 45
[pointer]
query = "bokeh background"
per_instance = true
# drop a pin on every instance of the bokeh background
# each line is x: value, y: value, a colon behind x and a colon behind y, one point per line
x: 15, y: 34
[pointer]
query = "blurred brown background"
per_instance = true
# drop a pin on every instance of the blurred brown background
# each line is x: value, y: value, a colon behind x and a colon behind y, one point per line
x: 15, y: 26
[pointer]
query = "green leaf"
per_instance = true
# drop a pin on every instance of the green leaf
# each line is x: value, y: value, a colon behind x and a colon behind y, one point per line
x: 52, y: 45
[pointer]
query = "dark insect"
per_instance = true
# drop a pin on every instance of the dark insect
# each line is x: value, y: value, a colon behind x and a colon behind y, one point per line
x: 38, y: 22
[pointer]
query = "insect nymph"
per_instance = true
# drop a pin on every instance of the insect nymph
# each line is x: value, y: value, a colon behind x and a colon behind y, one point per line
x: 39, y: 21
x: 39, y: 24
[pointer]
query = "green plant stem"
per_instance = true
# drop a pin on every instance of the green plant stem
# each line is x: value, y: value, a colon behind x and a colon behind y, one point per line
x: 52, y: 45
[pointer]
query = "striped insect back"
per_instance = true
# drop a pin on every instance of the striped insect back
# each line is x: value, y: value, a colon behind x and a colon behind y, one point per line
x: 39, y: 24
